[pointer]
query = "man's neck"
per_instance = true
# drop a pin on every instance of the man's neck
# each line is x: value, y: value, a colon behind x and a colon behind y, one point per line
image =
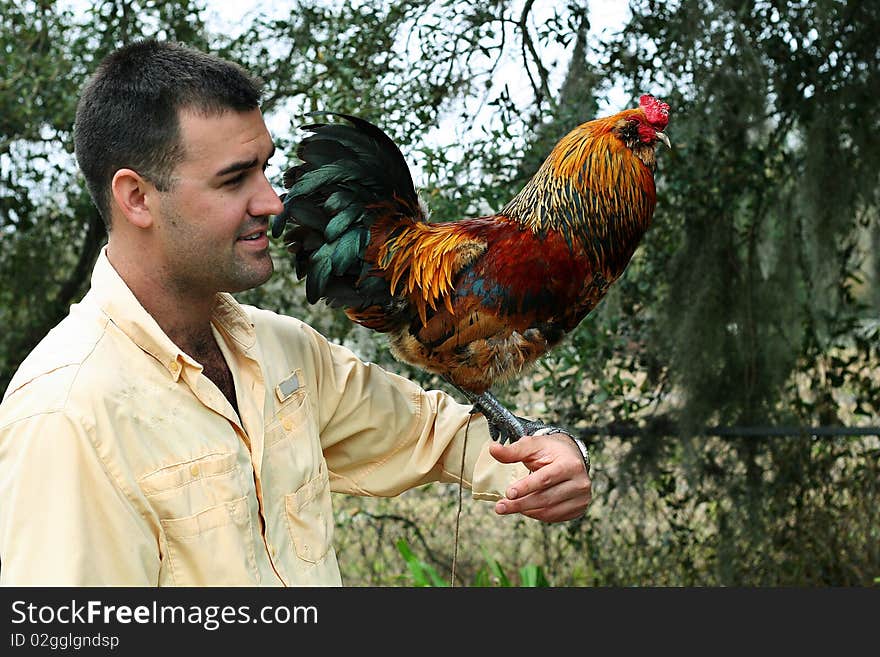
x: 183, y: 316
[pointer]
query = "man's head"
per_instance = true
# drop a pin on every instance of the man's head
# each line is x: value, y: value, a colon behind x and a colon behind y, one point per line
x: 129, y: 112
x: 174, y: 148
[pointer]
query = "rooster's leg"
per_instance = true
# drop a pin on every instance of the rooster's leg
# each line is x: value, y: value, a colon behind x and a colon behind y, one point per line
x: 509, y: 426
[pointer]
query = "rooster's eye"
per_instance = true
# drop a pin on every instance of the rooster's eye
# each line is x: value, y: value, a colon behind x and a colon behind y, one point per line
x: 632, y: 130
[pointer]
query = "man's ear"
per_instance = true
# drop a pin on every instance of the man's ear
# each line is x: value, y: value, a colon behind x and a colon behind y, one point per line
x: 130, y: 191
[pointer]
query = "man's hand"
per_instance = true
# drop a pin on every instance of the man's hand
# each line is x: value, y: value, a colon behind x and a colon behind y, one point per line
x: 558, y: 486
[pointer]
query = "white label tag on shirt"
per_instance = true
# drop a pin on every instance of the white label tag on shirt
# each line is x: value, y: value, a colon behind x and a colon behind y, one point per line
x: 287, y: 387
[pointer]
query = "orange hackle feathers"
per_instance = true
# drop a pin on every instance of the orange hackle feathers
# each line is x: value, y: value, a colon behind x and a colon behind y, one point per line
x: 421, y: 259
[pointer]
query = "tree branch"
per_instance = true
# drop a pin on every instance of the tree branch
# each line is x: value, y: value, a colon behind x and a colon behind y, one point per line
x: 542, y: 91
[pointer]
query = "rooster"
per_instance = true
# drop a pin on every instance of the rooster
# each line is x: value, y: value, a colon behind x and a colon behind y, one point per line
x: 477, y: 300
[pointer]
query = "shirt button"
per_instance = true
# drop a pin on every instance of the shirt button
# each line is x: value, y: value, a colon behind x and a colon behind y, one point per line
x: 175, y: 367
x: 194, y: 470
x: 287, y: 424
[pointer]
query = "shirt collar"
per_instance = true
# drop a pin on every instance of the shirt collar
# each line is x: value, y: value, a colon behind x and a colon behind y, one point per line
x: 120, y: 304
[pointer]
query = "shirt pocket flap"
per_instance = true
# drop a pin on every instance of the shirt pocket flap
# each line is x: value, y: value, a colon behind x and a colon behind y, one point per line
x: 188, y: 472
x: 290, y: 415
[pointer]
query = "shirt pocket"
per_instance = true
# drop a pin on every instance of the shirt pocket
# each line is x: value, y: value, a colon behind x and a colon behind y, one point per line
x: 186, y: 488
x: 293, y: 412
x: 292, y: 447
x: 309, y: 514
x: 212, y: 548
x: 207, y: 534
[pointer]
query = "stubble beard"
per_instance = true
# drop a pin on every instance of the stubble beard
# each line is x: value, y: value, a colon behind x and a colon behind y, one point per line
x: 235, y: 273
x: 246, y: 277
x: 207, y: 273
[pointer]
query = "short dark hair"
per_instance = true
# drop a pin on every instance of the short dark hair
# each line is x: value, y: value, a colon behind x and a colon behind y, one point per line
x: 127, y: 115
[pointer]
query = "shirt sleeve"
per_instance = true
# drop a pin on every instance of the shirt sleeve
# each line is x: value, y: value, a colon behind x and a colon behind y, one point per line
x: 63, y: 519
x: 382, y: 434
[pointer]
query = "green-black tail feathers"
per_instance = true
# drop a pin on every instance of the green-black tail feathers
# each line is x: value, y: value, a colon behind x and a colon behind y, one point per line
x: 351, y: 175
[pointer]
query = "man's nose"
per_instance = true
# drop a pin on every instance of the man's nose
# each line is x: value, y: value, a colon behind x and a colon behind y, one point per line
x: 266, y: 201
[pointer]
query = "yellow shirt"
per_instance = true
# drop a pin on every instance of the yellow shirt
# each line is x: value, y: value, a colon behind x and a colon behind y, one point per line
x: 121, y: 464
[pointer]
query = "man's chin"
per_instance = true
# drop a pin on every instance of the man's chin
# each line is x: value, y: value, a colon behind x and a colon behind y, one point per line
x: 251, y: 278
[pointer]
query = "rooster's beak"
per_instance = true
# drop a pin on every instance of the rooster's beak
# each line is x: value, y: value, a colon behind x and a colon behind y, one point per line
x: 662, y: 137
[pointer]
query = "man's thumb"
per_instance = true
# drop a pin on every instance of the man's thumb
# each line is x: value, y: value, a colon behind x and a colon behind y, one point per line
x: 511, y: 453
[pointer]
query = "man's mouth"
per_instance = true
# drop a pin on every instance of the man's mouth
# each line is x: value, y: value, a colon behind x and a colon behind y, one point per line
x: 253, y: 236
x: 257, y: 240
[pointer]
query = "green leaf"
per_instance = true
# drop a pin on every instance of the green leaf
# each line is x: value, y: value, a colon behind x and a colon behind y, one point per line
x: 423, y: 574
x: 496, y: 570
x: 532, y: 576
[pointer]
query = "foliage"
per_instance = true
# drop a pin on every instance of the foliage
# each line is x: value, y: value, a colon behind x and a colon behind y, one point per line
x: 698, y: 520
x: 754, y: 299
x: 492, y: 574
x: 423, y: 574
x: 773, y: 181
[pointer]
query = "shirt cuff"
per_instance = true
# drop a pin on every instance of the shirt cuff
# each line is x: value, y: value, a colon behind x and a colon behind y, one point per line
x: 492, y: 478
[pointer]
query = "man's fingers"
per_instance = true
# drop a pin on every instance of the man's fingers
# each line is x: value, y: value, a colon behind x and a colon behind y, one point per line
x: 556, y: 489
x: 560, y: 503
x: 544, y: 497
x: 557, y: 514
x: 538, y: 480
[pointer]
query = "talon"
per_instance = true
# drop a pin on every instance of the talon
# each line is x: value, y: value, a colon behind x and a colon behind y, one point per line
x: 504, y: 426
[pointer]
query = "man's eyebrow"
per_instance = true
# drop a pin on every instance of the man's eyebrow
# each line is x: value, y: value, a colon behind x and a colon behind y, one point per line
x: 242, y: 165
x: 237, y: 166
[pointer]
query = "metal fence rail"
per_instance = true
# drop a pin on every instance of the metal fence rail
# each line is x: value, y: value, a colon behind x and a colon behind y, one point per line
x: 664, y: 428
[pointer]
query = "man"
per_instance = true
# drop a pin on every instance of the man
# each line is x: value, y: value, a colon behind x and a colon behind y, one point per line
x: 163, y: 434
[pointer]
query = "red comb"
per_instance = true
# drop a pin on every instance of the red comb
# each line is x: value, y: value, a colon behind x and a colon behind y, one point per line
x: 655, y: 110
